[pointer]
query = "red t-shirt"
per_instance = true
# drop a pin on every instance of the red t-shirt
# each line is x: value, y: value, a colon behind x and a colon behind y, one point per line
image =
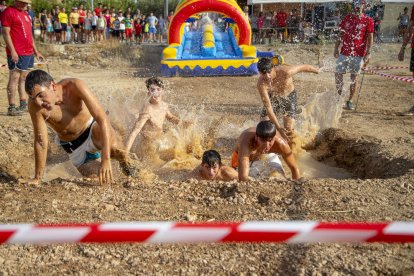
x: 97, y: 11
x: 281, y: 19
x: 20, y: 26
x: 412, y: 19
x: 355, y: 34
x: 82, y: 15
x: 138, y: 29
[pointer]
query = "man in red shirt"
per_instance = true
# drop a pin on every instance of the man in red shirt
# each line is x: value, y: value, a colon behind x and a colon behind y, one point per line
x: 409, y: 35
x: 20, y: 50
x: 281, y: 18
x: 356, y: 34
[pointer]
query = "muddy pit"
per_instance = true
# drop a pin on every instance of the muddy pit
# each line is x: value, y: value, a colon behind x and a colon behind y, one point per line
x: 362, y: 169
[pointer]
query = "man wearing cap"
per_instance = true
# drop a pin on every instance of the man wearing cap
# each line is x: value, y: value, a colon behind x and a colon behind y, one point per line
x: 356, y: 34
x: 20, y: 50
x: 409, y: 35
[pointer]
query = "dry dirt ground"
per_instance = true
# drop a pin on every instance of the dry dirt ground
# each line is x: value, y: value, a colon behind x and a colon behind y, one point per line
x: 373, y: 147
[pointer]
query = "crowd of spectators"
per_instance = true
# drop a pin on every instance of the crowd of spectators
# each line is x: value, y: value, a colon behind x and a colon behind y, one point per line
x: 82, y: 25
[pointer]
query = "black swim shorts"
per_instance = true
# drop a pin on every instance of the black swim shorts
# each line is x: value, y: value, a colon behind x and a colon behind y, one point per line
x: 412, y: 61
x: 283, y: 105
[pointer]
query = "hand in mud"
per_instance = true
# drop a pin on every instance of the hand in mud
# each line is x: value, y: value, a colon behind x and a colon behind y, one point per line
x: 105, y: 173
x: 401, y: 54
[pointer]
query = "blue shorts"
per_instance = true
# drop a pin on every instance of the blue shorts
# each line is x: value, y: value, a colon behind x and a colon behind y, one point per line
x: 152, y: 30
x: 25, y: 63
x: 349, y: 64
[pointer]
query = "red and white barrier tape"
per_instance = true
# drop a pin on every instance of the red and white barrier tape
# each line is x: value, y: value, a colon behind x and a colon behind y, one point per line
x: 172, y: 232
x: 385, y: 68
x: 393, y: 77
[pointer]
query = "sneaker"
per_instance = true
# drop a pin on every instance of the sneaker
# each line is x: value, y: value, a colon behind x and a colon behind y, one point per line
x: 349, y: 106
x: 14, y: 111
x: 23, y: 106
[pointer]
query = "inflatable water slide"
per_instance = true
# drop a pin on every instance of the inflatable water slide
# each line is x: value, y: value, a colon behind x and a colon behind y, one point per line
x: 209, y: 51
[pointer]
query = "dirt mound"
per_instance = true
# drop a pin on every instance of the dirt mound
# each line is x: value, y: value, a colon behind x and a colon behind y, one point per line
x: 365, y: 156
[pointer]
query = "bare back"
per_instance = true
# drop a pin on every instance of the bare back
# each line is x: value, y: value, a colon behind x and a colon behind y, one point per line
x: 156, y: 115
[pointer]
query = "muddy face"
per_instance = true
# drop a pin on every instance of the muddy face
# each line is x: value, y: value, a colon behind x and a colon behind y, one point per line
x: 156, y: 93
x: 210, y: 171
x: 265, y: 144
x: 44, y: 97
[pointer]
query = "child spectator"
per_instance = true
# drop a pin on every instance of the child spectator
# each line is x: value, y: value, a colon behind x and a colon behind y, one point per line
x: 94, y: 22
x: 128, y: 28
x: 101, y: 26
x: 138, y: 30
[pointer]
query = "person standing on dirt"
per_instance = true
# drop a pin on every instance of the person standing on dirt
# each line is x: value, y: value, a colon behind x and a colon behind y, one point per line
x: 278, y: 94
x: 63, y: 19
x: 356, y: 34
x: 20, y: 50
x: 409, y: 36
x: 81, y: 124
x: 253, y: 143
x: 404, y: 20
x: 153, y: 22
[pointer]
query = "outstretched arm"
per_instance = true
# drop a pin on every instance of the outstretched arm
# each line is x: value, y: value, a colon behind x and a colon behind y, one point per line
x: 289, y: 158
x: 98, y: 113
x: 269, y: 110
x: 139, y: 124
x: 305, y: 68
x: 172, y: 118
x: 40, y: 142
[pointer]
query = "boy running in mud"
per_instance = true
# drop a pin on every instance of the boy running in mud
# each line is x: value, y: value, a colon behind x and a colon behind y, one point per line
x: 151, y: 118
x: 254, y: 142
x: 278, y: 93
x: 81, y: 125
x: 211, y: 168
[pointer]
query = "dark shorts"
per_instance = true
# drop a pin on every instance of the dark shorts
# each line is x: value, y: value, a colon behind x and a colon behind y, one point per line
x: 412, y: 61
x: 25, y: 63
x: 75, y: 26
x: 42, y: 28
x: 64, y: 27
x: 58, y: 31
x: 283, y: 105
x: 93, y: 27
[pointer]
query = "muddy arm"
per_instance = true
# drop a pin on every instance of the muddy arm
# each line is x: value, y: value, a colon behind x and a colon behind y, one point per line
x: 40, y: 142
x: 290, y: 159
x: 305, y: 68
x: 229, y: 173
x: 244, y: 160
x: 139, y: 124
x: 172, y: 118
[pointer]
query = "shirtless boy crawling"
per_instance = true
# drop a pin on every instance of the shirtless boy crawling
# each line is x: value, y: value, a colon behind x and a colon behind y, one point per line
x: 278, y: 94
x: 211, y: 168
x: 151, y: 117
x: 81, y: 125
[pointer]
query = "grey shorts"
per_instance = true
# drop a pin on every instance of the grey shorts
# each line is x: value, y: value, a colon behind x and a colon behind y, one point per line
x: 349, y: 64
x: 283, y: 105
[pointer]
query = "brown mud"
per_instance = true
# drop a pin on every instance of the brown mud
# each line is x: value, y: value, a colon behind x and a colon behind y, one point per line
x: 373, y: 145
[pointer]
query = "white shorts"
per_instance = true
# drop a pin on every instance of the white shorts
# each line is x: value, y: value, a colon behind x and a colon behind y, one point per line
x: 87, y: 151
x: 266, y: 166
x: 349, y: 64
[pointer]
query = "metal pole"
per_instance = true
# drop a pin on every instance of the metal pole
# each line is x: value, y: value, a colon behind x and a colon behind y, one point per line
x: 92, y: 5
x: 165, y: 9
x: 359, y: 92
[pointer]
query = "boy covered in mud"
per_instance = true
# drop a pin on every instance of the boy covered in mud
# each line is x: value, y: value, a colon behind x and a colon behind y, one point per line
x: 151, y: 118
x: 81, y: 125
x: 211, y: 168
x: 278, y: 93
x: 254, y: 142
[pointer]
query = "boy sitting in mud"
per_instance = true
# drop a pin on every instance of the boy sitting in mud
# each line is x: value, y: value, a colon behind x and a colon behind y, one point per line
x: 211, y: 168
x: 253, y: 143
x: 278, y: 93
x: 151, y: 119
x: 81, y: 125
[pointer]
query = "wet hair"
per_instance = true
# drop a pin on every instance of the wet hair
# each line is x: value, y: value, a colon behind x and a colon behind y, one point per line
x: 210, y: 158
x: 155, y: 81
x: 264, y: 65
x: 37, y: 77
x: 265, y: 130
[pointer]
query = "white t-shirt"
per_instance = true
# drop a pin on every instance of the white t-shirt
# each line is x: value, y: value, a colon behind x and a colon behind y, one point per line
x: 121, y: 22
